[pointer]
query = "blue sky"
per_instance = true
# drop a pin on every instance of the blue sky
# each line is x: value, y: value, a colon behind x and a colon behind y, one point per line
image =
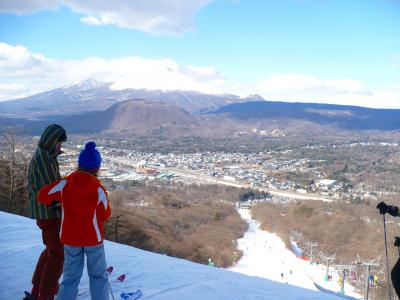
x: 336, y: 51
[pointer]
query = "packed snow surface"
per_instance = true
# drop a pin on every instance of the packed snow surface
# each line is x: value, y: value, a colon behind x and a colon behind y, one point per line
x: 265, y: 255
x: 159, y: 277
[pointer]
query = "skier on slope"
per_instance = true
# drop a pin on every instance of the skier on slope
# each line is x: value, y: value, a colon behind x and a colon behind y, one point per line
x: 393, y: 211
x: 85, y: 207
x: 376, y: 280
x: 371, y: 279
x: 43, y: 169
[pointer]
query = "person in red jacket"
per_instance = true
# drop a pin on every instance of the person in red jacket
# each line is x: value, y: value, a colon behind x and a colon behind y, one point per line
x: 85, y: 207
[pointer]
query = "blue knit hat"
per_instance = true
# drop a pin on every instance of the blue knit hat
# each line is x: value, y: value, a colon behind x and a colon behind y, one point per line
x: 89, y: 158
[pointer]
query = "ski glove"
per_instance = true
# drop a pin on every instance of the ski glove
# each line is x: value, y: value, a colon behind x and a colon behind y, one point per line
x: 390, y: 209
x: 54, y: 206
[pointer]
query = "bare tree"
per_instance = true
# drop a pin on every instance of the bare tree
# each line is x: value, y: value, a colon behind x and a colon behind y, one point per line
x: 13, y: 172
x: 10, y: 139
x: 116, y: 200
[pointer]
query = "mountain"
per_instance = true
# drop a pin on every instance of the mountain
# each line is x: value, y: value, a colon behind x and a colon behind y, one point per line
x: 93, y: 106
x: 264, y: 119
x: 339, y: 116
x: 132, y: 116
x: 159, y: 277
x: 94, y: 95
x: 87, y: 95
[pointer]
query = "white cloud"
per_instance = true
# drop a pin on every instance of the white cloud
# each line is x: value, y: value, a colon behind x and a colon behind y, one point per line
x: 35, y: 73
x: 24, y: 73
x: 155, y: 16
x: 308, y: 88
x: 164, y: 74
x: 305, y: 84
x: 92, y: 20
x: 22, y: 7
x: 12, y: 90
x: 18, y: 58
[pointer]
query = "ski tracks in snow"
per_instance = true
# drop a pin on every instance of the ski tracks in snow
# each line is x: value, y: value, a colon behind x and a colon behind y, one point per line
x: 265, y: 255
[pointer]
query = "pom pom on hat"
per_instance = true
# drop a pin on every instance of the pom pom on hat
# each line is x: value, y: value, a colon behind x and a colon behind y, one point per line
x: 90, y: 146
x: 89, y: 158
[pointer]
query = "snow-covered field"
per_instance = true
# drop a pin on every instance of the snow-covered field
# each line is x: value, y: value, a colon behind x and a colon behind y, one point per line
x: 266, y: 256
x: 159, y: 277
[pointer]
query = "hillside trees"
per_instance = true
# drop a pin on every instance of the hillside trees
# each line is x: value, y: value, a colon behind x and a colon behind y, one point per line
x: 13, y: 173
x: 191, y: 222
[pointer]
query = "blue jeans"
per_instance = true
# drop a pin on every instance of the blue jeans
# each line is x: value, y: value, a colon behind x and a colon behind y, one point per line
x: 73, y: 268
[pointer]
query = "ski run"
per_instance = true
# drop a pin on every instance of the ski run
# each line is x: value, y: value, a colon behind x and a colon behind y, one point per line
x: 256, y: 276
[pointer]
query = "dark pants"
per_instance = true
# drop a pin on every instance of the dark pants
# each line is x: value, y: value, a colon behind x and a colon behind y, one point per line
x: 50, y: 264
x: 396, y: 277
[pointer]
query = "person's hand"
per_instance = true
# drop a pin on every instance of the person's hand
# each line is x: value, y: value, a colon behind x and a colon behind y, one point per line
x: 390, y: 209
x: 59, y: 153
x: 54, y: 206
x: 58, y: 150
x: 393, y: 210
x: 383, y: 208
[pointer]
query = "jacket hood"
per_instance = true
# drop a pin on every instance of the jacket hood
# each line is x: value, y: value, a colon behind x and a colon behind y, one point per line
x: 51, y: 135
x: 83, y: 183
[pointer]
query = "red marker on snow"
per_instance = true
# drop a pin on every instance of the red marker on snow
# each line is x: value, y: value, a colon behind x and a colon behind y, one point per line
x: 109, y: 270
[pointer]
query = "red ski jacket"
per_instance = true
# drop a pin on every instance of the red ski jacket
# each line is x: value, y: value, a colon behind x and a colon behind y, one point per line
x: 85, y: 207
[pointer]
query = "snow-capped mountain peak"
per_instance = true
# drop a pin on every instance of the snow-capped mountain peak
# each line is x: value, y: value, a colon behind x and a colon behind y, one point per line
x: 87, y: 84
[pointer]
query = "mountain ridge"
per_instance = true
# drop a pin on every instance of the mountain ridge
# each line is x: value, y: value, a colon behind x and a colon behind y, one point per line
x: 93, y: 95
x: 342, y: 116
x: 91, y: 106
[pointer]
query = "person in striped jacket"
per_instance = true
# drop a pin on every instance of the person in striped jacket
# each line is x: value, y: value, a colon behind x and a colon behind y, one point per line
x: 43, y: 169
x: 85, y: 208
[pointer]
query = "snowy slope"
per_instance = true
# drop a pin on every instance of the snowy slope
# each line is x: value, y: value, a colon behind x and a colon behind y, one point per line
x: 265, y: 255
x: 159, y: 276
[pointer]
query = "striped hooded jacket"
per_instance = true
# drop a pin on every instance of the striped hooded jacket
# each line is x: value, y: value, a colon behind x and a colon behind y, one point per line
x: 43, y: 169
